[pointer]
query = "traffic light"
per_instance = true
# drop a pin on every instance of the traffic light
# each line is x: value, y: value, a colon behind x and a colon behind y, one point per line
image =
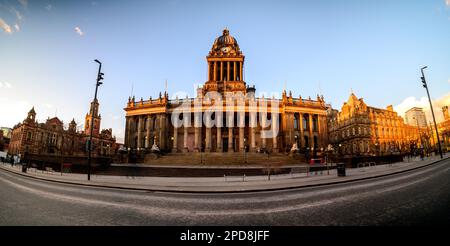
x: 424, y: 83
x: 100, y: 76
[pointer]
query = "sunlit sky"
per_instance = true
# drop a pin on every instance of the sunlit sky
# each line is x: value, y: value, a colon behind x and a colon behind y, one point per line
x: 373, y: 48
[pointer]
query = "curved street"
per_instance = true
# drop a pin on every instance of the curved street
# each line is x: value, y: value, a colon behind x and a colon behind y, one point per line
x: 416, y: 197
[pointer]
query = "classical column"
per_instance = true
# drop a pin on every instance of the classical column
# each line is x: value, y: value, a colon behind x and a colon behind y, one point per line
x: 209, y: 71
x: 127, y: 132
x: 196, y: 138
x: 234, y: 71
x: 253, y: 138
x: 139, y: 143
x: 162, y: 129
x: 215, y: 71
x: 147, y: 140
x: 241, y: 139
x: 311, y: 138
x: 208, y: 139
x: 219, y: 139
x: 302, y: 138
x: 263, y: 134
x: 185, y: 138
x: 230, y: 139
x: 175, y: 139
x: 228, y: 71
x: 240, y: 72
x: 221, y: 71
x: 275, y: 133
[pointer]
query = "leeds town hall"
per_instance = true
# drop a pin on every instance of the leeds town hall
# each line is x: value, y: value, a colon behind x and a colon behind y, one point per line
x: 242, y: 122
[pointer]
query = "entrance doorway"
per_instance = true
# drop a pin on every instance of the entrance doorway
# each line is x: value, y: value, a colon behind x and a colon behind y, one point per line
x: 225, y: 144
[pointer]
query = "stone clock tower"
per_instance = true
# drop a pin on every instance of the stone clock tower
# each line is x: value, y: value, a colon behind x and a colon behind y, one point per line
x: 225, y: 66
x: 93, y: 115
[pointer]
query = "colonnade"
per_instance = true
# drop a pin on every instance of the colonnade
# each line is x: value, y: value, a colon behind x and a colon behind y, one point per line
x: 225, y: 70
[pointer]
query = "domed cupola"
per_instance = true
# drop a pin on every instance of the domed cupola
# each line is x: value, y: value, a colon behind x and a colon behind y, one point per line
x: 225, y: 44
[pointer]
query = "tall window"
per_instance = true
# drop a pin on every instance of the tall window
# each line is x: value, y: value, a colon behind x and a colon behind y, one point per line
x: 145, y: 123
x: 315, y: 125
x: 154, y: 125
x: 296, y: 123
x: 136, y: 125
x: 305, y: 122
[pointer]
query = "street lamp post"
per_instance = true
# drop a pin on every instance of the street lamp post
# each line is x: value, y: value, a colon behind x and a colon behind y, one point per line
x: 98, y: 83
x: 424, y: 82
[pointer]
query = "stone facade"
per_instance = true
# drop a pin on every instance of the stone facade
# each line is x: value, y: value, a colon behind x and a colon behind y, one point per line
x: 51, y: 138
x: 226, y: 115
x: 443, y: 130
x: 359, y: 129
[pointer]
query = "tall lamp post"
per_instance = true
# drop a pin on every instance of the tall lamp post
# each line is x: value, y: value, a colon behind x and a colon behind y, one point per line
x: 424, y: 82
x: 99, y: 78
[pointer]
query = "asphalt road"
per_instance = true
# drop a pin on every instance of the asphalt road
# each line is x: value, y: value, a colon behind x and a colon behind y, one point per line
x: 417, y: 197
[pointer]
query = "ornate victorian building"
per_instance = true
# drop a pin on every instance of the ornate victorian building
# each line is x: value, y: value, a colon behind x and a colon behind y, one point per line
x: 51, y: 138
x: 359, y: 129
x: 226, y: 115
x: 443, y: 130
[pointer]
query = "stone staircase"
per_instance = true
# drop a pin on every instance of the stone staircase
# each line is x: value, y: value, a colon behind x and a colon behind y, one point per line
x: 224, y: 159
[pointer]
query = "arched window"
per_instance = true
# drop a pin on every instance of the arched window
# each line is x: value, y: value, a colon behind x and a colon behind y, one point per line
x: 305, y: 122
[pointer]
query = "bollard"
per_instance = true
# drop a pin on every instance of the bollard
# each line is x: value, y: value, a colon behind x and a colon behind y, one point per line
x: 225, y: 177
x: 243, y: 178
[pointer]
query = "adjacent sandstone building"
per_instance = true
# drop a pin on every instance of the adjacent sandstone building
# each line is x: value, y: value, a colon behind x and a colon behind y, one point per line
x: 359, y: 129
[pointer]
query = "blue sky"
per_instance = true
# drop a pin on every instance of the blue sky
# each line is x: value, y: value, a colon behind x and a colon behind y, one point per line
x: 375, y: 48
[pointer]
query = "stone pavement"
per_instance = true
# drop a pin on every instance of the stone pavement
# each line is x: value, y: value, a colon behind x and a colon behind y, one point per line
x: 227, y: 183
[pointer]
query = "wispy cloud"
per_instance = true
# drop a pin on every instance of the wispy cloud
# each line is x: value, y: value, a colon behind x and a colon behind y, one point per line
x: 6, y: 28
x: 78, y: 30
x: 17, y: 27
x: 5, y: 85
x: 24, y: 3
x: 17, y: 13
x: 48, y: 7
